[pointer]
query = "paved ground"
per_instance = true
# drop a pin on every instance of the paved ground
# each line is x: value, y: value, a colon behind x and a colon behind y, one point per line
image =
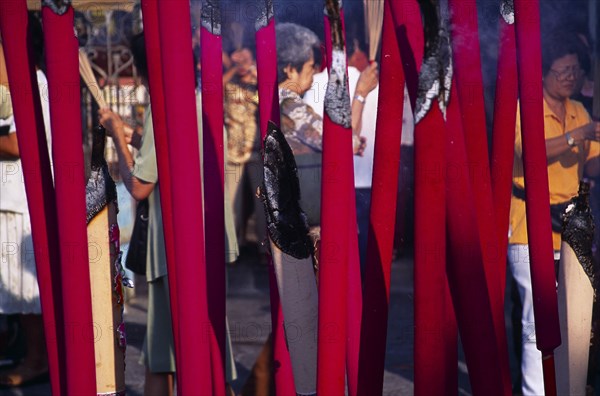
x: 249, y: 316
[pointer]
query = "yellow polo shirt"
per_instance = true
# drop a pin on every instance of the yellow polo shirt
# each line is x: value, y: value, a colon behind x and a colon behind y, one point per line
x: 564, y: 172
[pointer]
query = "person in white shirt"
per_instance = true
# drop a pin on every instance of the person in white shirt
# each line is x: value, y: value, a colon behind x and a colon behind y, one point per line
x: 19, y: 292
x: 364, y: 91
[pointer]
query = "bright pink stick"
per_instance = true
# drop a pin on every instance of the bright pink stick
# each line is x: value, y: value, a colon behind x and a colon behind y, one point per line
x: 268, y: 106
x: 541, y: 258
x: 334, y: 258
x: 62, y: 61
x: 355, y: 298
x: 354, y: 302
x: 469, y: 83
x: 38, y: 180
x: 432, y: 333
x: 466, y: 272
x: 214, y: 198
x: 194, y: 373
x: 383, y: 203
x: 159, y: 123
x: 503, y: 143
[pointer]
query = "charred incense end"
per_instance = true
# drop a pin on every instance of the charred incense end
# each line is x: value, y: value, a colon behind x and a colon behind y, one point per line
x: 333, y: 10
x: 507, y: 10
x: 337, y: 98
x: 286, y: 222
x: 435, y: 78
x: 265, y: 14
x: 578, y: 230
x: 211, y: 16
x: 100, y: 189
x: 59, y: 7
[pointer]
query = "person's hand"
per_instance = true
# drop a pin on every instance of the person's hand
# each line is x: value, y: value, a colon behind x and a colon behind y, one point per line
x: 359, y: 144
x: 243, y: 62
x: 590, y: 131
x: 111, y: 121
x: 596, y: 130
x: 368, y: 80
x: 133, y: 136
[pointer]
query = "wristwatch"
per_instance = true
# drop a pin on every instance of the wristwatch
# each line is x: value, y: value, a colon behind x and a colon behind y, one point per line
x: 570, y: 140
x: 360, y: 98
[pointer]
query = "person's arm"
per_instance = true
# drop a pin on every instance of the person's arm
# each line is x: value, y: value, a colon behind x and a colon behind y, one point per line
x: 9, y: 149
x: 559, y: 145
x: 592, y: 167
x: 367, y: 82
x: 228, y: 75
x: 139, y: 189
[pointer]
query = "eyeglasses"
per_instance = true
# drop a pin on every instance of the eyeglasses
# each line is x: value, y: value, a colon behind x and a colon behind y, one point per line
x: 562, y: 75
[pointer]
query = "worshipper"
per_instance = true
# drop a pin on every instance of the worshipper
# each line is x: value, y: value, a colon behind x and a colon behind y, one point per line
x: 19, y: 291
x: 140, y: 176
x: 573, y: 151
x: 244, y: 163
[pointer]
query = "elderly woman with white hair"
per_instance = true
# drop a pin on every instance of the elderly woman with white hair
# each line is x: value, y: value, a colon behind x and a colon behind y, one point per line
x: 299, y: 54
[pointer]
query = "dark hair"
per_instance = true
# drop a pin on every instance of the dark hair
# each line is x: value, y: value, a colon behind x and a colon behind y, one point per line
x: 137, y: 45
x: 35, y: 38
x: 138, y: 50
x: 561, y: 43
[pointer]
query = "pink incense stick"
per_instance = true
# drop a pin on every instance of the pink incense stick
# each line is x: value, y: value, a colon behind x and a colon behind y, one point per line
x: 161, y: 141
x: 214, y: 173
x: 469, y: 84
x: 194, y: 371
x: 383, y: 202
x: 434, y: 336
x: 466, y: 273
x: 268, y: 107
x: 38, y: 181
x: 541, y: 258
x: 62, y: 61
x: 335, y: 221
x: 434, y: 356
x: 503, y: 137
x: 354, y: 302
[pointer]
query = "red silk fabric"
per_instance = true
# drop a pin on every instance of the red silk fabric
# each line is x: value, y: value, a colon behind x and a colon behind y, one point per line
x: 469, y: 83
x: 384, y: 192
x: 503, y: 137
x: 39, y: 186
x: 159, y: 123
x: 214, y: 198
x: 64, y: 94
x: 268, y: 107
x: 194, y: 372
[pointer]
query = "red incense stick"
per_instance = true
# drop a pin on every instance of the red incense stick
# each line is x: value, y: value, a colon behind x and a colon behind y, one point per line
x: 194, y: 373
x: 214, y: 198
x: 541, y: 258
x: 159, y: 123
x: 383, y: 202
x: 268, y: 107
x: 39, y: 186
x: 62, y: 61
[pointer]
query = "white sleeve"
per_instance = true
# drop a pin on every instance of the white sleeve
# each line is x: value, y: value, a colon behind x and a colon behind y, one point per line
x: 13, y: 126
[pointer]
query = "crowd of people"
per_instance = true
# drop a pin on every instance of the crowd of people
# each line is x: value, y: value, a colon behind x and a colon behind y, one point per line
x: 572, y: 148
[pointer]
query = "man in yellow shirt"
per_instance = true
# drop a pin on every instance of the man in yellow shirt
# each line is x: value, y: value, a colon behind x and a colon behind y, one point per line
x: 572, y: 150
